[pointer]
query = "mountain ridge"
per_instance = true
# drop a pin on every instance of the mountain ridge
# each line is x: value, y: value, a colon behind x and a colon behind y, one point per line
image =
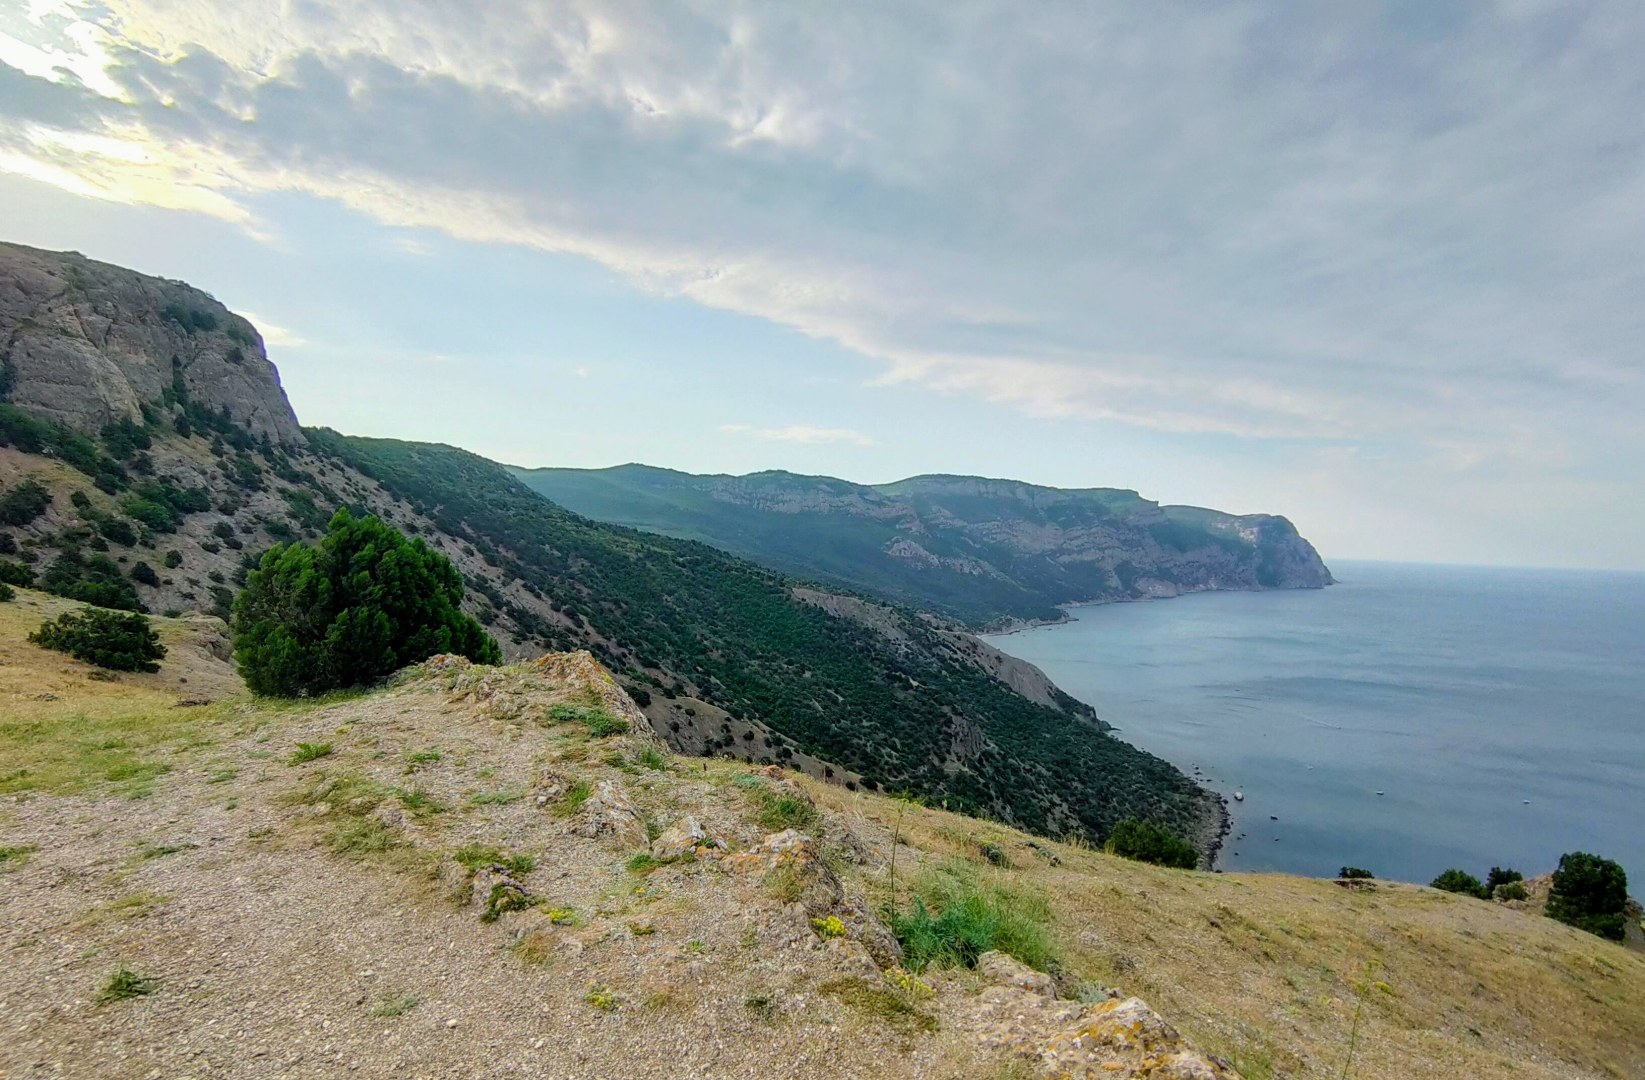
x: 991, y: 553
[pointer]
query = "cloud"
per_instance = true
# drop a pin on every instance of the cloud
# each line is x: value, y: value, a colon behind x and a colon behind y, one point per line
x: 274, y: 334
x: 1263, y: 221
x: 800, y: 433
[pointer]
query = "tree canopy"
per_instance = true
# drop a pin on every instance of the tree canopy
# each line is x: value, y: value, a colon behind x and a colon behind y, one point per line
x: 1590, y: 893
x: 361, y: 603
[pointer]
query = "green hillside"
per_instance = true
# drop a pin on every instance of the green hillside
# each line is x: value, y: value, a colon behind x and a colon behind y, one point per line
x: 897, y: 704
x: 985, y: 552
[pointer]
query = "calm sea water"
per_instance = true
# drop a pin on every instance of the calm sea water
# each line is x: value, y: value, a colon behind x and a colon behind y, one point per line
x: 1408, y: 719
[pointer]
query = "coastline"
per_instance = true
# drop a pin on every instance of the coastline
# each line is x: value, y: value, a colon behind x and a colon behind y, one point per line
x: 1015, y: 626
x: 1213, y: 830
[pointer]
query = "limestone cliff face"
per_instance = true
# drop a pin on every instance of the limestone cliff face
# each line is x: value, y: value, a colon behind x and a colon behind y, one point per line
x: 87, y: 343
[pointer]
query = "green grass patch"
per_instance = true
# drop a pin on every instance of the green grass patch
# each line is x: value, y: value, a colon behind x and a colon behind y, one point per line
x: 157, y: 851
x: 307, y: 752
x: 393, y: 1005
x: 495, y: 798
x: 784, y: 811
x: 361, y: 837
x: 954, y: 918
x: 108, y: 737
x: 13, y: 857
x: 643, y: 862
x: 126, y: 983
x: 420, y: 803
x: 474, y: 857
x: 573, y: 799
x: 653, y: 758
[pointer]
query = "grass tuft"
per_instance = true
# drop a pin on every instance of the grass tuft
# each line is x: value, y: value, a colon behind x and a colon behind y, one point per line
x: 125, y: 983
x: 573, y: 799
x: 474, y: 857
x: 394, y: 1005
x: 360, y: 837
x: 307, y: 752
x: 971, y: 919
x: 779, y: 812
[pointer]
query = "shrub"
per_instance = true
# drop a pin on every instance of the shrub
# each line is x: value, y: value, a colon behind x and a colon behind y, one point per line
x: 1512, y: 890
x: 1146, y: 842
x: 1590, y: 893
x: 1459, y: 881
x: 109, y: 639
x: 7, y: 592
x: 94, y: 579
x: 116, y: 530
x: 1499, y: 877
x: 173, y: 559
x: 361, y: 603
x: 144, y: 574
x: 15, y: 573
x: 23, y: 503
x: 1354, y: 873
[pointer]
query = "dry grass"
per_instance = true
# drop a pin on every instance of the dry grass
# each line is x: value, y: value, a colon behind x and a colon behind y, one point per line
x: 61, y: 730
x: 1267, y: 969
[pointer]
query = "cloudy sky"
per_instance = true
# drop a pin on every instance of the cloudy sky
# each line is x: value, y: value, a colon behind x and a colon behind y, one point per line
x: 1376, y: 266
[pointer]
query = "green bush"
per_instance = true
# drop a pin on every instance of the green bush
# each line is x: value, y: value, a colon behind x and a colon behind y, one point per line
x: 23, y: 503
x: 361, y: 603
x: 1590, y: 893
x: 1146, y: 842
x: 1354, y: 873
x: 15, y: 573
x: 144, y: 574
x: 1499, y: 877
x: 1460, y: 881
x: 7, y: 592
x: 115, y: 640
x: 1512, y: 890
x: 94, y: 579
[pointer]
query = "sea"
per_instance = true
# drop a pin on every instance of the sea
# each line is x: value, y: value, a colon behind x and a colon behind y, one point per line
x: 1408, y: 719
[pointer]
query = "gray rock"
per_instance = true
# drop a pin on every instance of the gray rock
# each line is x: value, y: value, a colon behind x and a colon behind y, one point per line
x: 608, y: 815
x: 1003, y: 970
x: 88, y: 343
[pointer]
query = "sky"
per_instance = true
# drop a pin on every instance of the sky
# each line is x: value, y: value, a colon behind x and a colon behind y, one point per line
x: 1379, y: 267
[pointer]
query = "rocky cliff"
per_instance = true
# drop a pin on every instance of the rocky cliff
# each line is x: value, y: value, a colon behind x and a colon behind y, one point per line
x: 90, y: 344
x: 986, y: 552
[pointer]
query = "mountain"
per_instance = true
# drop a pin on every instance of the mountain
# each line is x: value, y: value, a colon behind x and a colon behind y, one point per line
x: 988, y: 553
x: 148, y: 454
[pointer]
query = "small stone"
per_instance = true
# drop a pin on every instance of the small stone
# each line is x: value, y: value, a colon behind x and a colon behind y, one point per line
x: 1003, y: 970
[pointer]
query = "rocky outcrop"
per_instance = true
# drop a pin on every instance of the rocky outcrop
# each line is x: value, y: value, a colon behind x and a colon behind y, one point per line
x: 86, y: 343
x: 1114, y: 1037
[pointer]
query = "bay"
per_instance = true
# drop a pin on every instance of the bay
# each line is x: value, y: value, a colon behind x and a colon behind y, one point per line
x: 1408, y: 719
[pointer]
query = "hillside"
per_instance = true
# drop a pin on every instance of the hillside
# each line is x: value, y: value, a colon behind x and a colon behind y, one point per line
x: 986, y: 552
x: 146, y: 461
x: 461, y: 875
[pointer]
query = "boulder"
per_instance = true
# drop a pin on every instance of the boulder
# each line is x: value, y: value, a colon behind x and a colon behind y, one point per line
x: 685, y: 837
x: 1003, y: 970
x: 608, y: 815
